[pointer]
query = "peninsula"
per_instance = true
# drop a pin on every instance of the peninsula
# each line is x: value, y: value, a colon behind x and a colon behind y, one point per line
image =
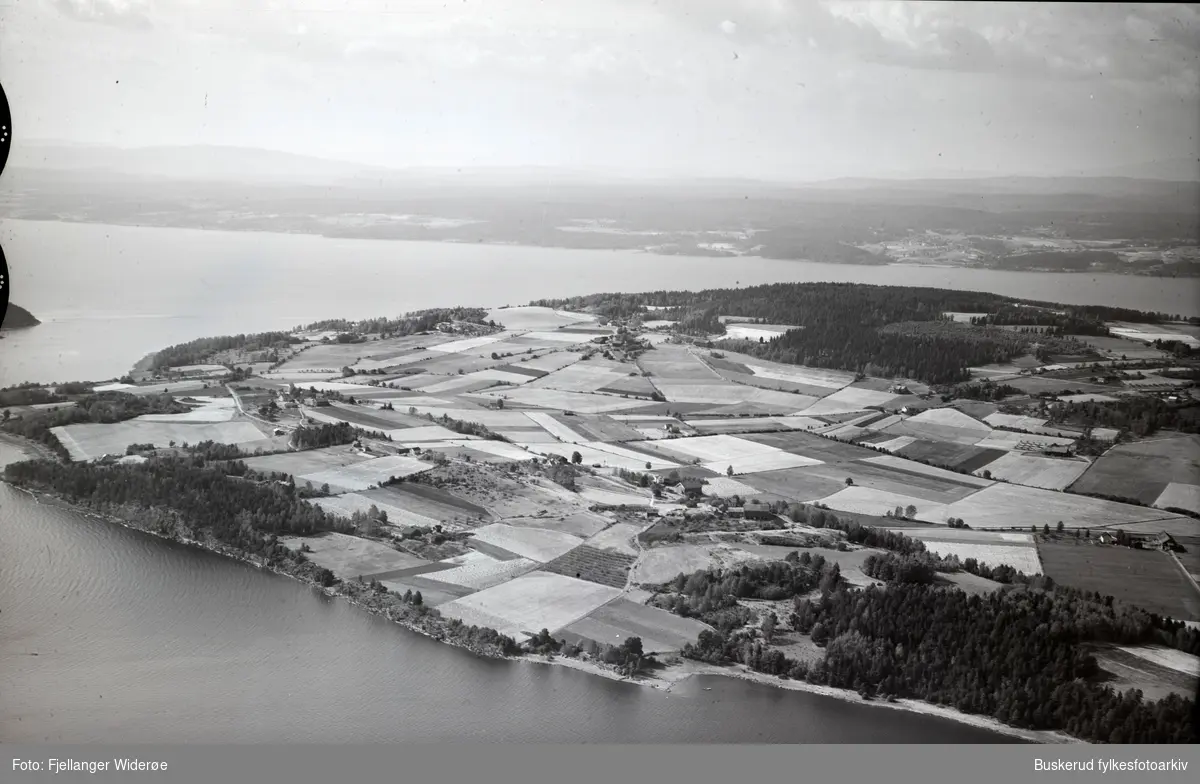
x: 952, y: 502
x: 17, y: 317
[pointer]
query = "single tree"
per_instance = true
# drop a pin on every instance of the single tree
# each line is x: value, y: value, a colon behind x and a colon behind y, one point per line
x: 576, y: 458
x: 1059, y: 528
x: 910, y: 511
x: 729, y: 471
x: 768, y: 627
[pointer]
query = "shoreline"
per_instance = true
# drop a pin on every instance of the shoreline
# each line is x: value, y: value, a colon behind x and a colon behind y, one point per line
x: 662, y: 680
x: 648, y: 251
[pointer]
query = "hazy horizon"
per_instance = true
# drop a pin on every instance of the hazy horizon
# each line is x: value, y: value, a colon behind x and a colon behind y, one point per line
x: 773, y: 90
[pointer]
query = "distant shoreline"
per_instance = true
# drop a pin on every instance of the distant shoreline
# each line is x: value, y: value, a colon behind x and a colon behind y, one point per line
x: 662, y: 680
x: 642, y: 250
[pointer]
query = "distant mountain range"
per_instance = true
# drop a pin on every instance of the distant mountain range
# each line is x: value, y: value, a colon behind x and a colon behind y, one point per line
x: 250, y: 165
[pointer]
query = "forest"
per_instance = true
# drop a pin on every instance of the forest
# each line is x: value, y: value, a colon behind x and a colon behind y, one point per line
x: 408, y: 324
x: 324, y: 435
x: 195, y: 352
x: 100, y: 407
x: 32, y: 394
x: 877, y: 330
x: 1142, y: 415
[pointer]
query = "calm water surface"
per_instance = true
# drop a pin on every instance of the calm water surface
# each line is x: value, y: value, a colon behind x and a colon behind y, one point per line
x: 141, y: 639
x: 110, y: 294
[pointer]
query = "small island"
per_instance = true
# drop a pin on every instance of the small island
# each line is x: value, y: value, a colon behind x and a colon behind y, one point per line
x: 16, y: 317
x: 939, y: 501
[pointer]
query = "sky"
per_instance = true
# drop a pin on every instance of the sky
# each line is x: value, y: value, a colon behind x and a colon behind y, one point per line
x: 773, y: 89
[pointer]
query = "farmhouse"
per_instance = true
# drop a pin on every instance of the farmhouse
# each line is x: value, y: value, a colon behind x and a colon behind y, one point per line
x: 1156, y: 541
x: 757, y: 510
x: 1057, y: 450
x: 691, y: 484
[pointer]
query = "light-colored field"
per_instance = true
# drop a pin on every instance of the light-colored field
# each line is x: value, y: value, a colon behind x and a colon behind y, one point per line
x: 762, y: 463
x: 348, y: 503
x: 1050, y: 473
x: 618, y: 537
x: 798, y: 374
x: 569, y: 401
x: 495, y: 374
x: 1092, y: 398
x: 564, y: 338
x: 967, y: 536
x: 1022, y: 558
x: 719, y: 447
x: 894, y: 444
x: 112, y: 387
x: 537, y: 544
x: 481, y: 574
x: 528, y: 436
x: 1004, y: 439
x: 1006, y: 505
x: 368, y: 473
x: 533, y: 601
x: 911, y: 466
x: 550, y: 362
x: 554, y: 427
x: 211, y: 409
x: 88, y: 441
x: 466, y: 344
x: 659, y: 630
x: 580, y: 377
x: 581, y: 524
x: 740, y: 332
x: 307, y: 462
x: 349, y: 556
x: 614, y: 498
x: 660, y: 564
x: 450, y: 385
x: 846, y: 432
x: 1167, y: 657
x: 495, y: 448
x: 1180, y: 496
x: 724, y: 486
x: 604, y: 454
x: 718, y: 393
x: 418, y: 435
x: 1014, y: 421
x: 866, y: 500
x: 885, y: 423
x: 530, y: 317
x: 849, y: 399
x: 950, y: 417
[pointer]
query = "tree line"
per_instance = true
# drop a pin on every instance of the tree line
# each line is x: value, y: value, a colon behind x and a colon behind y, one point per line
x: 99, y: 407
x: 1142, y: 415
x: 195, y: 352
x: 407, y: 324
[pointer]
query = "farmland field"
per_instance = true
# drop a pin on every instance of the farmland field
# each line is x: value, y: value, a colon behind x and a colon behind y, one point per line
x: 537, y: 544
x: 866, y: 500
x: 569, y: 401
x: 604, y: 567
x: 1132, y: 669
x: 88, y: 441
x: 1050, y: 473
x: 602, y: 428
x: 530, y: 602
x: 372, y: 418
x: 428, y: 502
x: 817, y: 377
x: 347, y: 504
x: 1180, y: 496
x: 484, y: 572
x: 966, y: 457
x: 1008, y: 440
x: 582, y: 524
x: 661, y: 564
x: 1022, y: 558
x: 1142, y: 470
x: 810, y: 445
x: 555, y: 427
x: 360, y: 476
x: 1146, y: 578
x: 798, y: 484
x: 309, y: 461
x: 350, y: 556
x: 604, y: 454
x: 617, y: 537
x: 849, y: 399
x: 1005, y: 505
x: 611, y: 624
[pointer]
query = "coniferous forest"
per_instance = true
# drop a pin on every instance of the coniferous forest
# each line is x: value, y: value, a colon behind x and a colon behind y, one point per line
x: 877, y: 330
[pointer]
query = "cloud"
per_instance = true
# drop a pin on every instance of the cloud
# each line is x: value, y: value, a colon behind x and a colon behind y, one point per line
x: 728, y: 27
x: 132, y: 14
x: 1156, y: 44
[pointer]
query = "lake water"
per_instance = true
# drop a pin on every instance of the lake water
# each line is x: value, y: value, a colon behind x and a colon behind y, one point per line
x: 138, y: 639
x: 109, y: 294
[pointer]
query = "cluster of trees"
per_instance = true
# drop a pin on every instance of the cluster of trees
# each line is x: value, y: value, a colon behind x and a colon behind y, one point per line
x: 1075, y: 321
x: 99, y: 407
x: 979, y: 390
x: 32, y: 394
x: 1141, y: 415
x: 465, y: 427
x: 408, y: 324
x: 328, y: 434
x: 857, y: 533
x: 196, y: 352
x: 919, y: 569
x: 200, y: 496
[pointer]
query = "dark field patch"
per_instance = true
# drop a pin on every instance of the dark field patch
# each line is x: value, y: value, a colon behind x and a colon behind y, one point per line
x: 795, y: 484
x: 798, y: 442
x: 601, y: 428
x: 1033, y: 385
x: 688, y: 470
x: 963, y: 457
x: 1146, y: 578
x: 523, y: 370
x: 499, y: 553
x: 1127, y: 671
x: 412, y: 571
x: 729, y: 366
x: 433, y: 593
x: 367, y: 419
x: 585, y: 562
x: 1141, y: 470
